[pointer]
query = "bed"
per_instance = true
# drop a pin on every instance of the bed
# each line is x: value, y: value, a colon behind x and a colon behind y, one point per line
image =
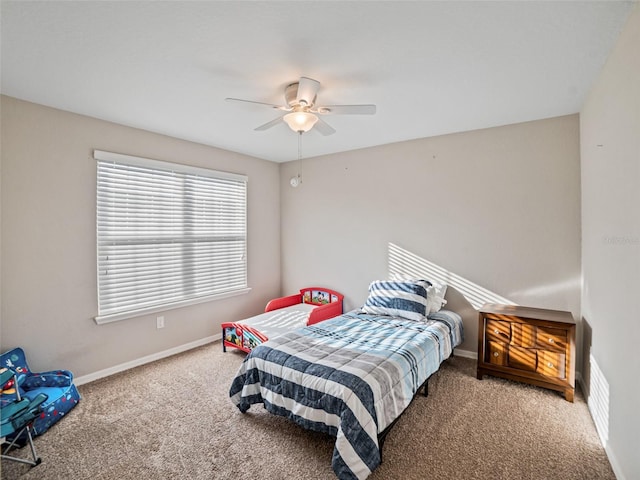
x: 310, y: 306
x: 351, y: 376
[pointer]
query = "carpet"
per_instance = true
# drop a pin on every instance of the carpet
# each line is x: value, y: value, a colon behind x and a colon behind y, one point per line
x: 172, y: 419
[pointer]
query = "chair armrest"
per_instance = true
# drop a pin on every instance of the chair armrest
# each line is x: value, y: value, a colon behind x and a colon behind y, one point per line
x: 282, y: 302
x: 14, y: 409
x: 5, y: 376
x: 55, y: 378
x: 31, y: 410
x: 325, y: 312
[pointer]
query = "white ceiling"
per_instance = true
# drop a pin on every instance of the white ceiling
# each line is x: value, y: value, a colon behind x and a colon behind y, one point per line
x: 431, y: 67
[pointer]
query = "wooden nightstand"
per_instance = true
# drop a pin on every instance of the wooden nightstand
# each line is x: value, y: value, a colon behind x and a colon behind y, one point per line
x: 531, y: 345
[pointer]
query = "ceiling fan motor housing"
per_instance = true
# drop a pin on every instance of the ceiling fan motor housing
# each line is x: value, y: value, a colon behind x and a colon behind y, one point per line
x: 291, y: 95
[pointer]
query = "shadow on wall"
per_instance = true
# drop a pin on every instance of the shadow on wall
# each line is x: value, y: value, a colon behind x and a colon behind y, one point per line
x: 595, y: 386
x: 463, y: 297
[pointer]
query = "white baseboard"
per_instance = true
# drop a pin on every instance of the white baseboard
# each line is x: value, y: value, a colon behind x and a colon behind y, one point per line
x: 617, y: 471
x: 465, y: 354
x: 141, y: 361
x: 183, y: 348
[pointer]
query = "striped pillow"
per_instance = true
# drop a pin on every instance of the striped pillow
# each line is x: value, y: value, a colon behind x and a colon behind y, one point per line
x: 435, y: 291
x: 407, y: 299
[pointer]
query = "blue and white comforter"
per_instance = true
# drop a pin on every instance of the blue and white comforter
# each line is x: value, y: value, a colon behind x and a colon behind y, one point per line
x: 350, y: 377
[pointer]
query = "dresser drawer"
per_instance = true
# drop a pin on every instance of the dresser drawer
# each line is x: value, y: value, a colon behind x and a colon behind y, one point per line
x: 551, y: 364
x: 497, y: 353
x: 498, y: 331
x: 553, y: 339
x: 523, y: 335
x: 522, y: 358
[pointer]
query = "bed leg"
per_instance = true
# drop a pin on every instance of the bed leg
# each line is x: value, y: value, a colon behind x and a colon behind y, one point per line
x: 383, y: 436
x: 224, y: 347
x: 426, y: 388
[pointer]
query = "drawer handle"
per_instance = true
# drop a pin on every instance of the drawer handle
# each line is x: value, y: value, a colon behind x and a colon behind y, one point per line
x: 551, y: 340
x: 550, y: 365
x: 496, y: 354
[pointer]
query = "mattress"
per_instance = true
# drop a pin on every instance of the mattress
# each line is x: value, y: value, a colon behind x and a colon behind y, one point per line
x: 277, y: 322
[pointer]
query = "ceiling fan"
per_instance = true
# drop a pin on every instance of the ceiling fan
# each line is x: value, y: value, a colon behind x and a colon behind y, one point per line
x: 303, y: 113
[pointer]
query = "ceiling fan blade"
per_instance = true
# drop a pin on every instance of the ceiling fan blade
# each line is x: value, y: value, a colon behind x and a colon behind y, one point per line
x: 268, y: 125
x: 307, y: 90
x: 324, y: 128
x: 346, y: 110
x: 277, y: 107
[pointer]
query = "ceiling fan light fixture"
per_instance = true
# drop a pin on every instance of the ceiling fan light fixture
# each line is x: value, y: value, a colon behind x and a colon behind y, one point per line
x: 300, y: 121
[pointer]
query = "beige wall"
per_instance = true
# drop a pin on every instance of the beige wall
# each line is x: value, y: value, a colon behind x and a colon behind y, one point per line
x: 49, y: 242
x: 610, y: 151
x: 497, y: 209
x: 493, y: 212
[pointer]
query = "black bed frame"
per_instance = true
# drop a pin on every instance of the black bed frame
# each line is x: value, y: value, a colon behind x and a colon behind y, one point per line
x: 383, y: 435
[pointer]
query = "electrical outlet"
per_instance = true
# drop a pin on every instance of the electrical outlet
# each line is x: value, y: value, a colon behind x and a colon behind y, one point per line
x: 159, y: 322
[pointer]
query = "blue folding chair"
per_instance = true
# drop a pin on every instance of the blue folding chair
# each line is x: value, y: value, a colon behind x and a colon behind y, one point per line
x: 57, y: 385
x: 17, y: 415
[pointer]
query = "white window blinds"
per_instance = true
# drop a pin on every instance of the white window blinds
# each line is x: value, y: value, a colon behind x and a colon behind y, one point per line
x: 167, y: 235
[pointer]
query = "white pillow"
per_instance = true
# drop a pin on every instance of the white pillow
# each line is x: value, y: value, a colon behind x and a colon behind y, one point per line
x: 436, y: 296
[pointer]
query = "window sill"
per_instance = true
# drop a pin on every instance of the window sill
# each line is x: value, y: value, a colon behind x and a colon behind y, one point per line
x: 116, y: 317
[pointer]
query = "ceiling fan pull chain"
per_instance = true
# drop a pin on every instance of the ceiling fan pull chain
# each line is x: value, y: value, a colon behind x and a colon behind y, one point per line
x: 297, y: 179
x: 300, y: 155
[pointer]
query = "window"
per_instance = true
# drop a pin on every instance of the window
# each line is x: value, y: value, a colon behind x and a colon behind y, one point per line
x: 168, y: 235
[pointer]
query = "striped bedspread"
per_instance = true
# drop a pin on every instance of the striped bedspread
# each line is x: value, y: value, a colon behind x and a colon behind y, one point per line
x: 350, y: 377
